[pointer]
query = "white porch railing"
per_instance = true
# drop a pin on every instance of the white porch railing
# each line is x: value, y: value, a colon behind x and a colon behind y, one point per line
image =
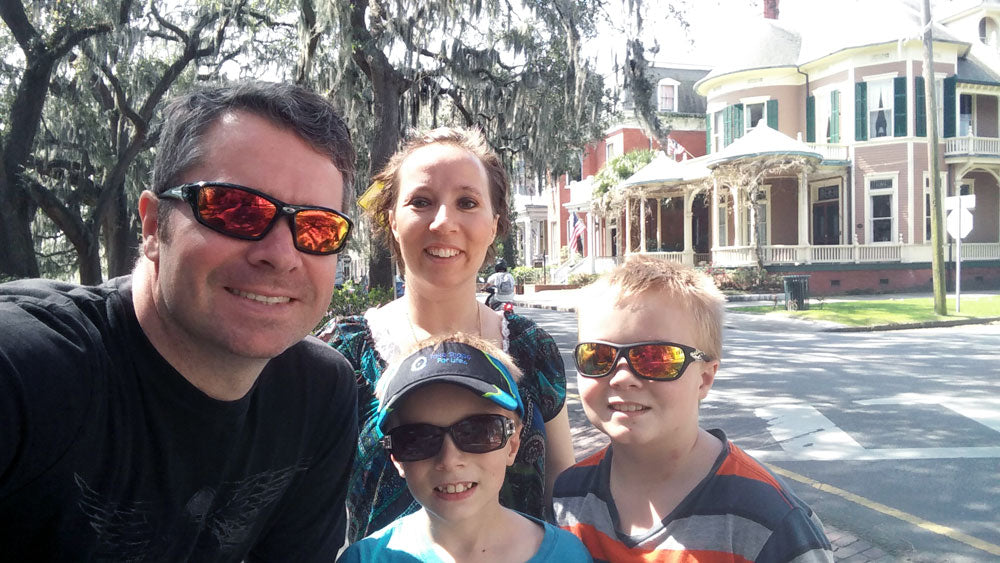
x: 830, y: 152
x: 728, y: 256
x: 832, y: 253
x: 978, y: 250
x: 960, y: 146
x: 879, y: 252
x: 774, y: 254
x: 734, y: 256
x: 668, y: 256
x: 731, y: 256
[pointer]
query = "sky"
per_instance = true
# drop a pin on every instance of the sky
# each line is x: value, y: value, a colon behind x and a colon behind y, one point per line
x: 713, y: 25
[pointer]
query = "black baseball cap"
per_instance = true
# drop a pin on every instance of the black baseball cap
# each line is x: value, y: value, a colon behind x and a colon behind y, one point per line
x: 450, y: 362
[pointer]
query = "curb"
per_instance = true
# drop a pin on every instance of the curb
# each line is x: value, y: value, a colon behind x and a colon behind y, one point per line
x: 905, y: 326
x: 571, y: 309
x: 564, y: 309
x: 876, y: 328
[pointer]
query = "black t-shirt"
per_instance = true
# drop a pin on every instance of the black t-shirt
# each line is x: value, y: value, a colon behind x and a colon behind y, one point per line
x: 108, y: 453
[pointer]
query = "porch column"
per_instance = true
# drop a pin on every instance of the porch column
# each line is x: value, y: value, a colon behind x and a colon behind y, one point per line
x: 713, y: 216
x: 739, y: 217
x: 688, y: 238
x: 846, y: 227
x: 659, y: 222
x: 627, y: 243
x: 528, y: 228
x: 591, y: 242
x: 642, y: 224
x: 803, y: 251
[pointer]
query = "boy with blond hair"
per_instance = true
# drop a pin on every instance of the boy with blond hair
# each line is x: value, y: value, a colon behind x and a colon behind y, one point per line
x: 451, y: 417
x: 650, y: 342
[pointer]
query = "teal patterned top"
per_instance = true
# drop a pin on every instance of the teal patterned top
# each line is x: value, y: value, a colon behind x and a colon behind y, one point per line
x: 377, y: 495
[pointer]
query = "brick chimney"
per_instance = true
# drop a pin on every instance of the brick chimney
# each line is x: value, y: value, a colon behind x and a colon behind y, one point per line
x: 771, y: 9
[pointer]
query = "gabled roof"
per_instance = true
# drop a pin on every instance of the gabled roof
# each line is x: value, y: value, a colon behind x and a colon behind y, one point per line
x: 762, y: 141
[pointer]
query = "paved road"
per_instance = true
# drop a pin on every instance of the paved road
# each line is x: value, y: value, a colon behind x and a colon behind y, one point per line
x: 893, y: 437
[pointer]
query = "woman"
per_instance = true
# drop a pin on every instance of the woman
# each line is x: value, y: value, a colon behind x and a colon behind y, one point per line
x: 442, y: 204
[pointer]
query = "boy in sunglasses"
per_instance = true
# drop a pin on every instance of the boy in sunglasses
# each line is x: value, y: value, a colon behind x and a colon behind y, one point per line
x: 180, y: 413
x: 650, y: 340
x: 450, y: 414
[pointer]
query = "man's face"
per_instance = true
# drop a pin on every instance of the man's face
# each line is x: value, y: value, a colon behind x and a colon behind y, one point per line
x: 454, y: 485
x: 629, y: 409
x: 215, y: 294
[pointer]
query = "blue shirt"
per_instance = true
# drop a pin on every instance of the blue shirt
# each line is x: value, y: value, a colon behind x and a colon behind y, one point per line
x: 406, y: 541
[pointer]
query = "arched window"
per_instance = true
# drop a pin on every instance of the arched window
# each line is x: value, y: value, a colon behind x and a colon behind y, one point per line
x: 988, y: 31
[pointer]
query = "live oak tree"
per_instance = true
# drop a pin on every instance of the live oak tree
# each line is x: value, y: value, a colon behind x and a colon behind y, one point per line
x: 98, y: 125
x: 40, y: 48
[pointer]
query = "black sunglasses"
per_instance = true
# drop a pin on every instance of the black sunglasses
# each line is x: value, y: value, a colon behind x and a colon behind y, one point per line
x: 477, y: 434
x: 655, y: 361
x: 245, y: 213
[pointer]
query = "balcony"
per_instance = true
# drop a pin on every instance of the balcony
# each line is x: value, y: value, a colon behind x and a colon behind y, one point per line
x: 972, y: 146
x: 830, y: 152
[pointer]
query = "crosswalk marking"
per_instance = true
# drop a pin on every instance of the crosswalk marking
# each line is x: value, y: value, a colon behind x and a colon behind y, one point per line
x: 805, y: 434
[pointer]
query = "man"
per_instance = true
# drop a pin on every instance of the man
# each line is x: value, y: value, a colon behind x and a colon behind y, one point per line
x: 500, y: 286
x: 178, y: 414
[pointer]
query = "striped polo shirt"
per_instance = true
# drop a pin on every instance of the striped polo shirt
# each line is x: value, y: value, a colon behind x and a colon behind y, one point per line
x: 739, y: 512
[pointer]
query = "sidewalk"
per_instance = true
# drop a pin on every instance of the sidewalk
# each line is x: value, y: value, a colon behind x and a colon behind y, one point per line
x: 567, y: 299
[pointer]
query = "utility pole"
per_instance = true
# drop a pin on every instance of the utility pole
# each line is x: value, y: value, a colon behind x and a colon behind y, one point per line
x: 937, y: 218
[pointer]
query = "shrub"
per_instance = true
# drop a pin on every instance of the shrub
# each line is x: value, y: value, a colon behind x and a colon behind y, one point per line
x: 527, y: 274
x: 353, y: 299
x: 750, y: 279
x: 583, y: 279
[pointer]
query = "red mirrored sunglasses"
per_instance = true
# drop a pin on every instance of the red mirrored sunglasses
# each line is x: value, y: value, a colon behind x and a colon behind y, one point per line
x: 245, y: 213
x: 655, y: 361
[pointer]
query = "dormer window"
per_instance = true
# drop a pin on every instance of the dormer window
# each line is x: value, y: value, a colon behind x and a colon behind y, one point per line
x: 666, y: 95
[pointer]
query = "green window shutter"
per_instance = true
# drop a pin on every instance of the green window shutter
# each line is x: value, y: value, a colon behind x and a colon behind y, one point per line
x: 899, y: 106
x: 708, y: 133
x: 920, y: 107
x: 738, y: 121
x: 948, y: 104
x: 861, y: 111
x: 772, y: 114
x: 727, y: 125
x: 835, y: 116
x: 811, y: 119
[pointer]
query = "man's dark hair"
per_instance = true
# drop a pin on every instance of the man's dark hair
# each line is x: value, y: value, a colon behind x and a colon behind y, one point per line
x: 309, y: 115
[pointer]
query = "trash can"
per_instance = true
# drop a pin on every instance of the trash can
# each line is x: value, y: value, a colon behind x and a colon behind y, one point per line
x: 796, y: 292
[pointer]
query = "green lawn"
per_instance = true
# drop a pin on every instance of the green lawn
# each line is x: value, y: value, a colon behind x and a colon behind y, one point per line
x: 887, y: 311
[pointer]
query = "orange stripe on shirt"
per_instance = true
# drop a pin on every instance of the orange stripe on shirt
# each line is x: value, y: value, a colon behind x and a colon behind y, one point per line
x: 593, y: 459
x: 602, y: 547
x: 740, y: 464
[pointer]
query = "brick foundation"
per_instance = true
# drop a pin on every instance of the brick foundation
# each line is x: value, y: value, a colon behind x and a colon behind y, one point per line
x: 881, y: 279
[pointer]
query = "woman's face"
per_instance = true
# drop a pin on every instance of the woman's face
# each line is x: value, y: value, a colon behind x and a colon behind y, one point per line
x: 443, y: 220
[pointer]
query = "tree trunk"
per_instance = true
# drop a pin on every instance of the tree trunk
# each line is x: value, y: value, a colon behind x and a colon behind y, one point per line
x: 388, y: 85
x: 17, y: 252
x: 387, y: 89
x: 17, y: 257
x: 120, y: 238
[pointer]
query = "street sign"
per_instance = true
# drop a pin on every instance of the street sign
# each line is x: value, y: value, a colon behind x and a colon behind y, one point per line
x: 959, y: 223
x: 963, y: 201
